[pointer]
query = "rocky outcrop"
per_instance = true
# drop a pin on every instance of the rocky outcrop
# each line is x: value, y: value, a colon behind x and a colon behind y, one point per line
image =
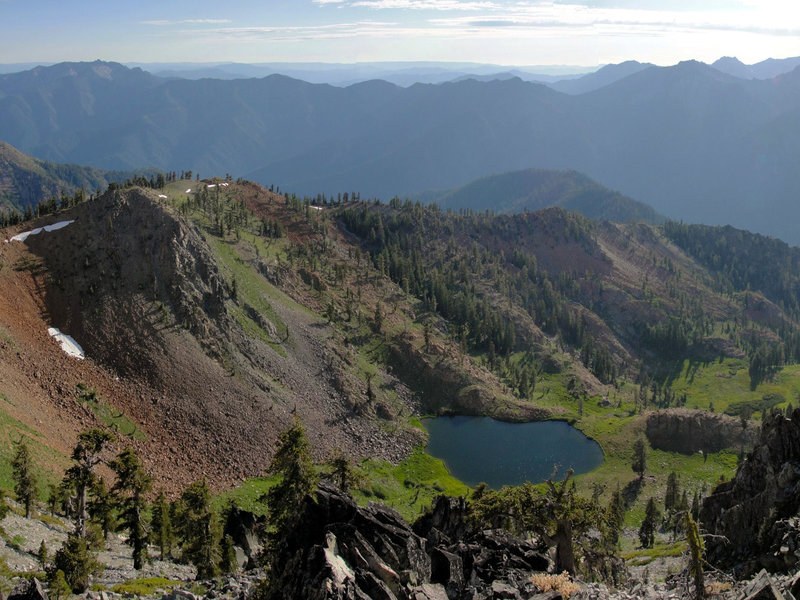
x: 343, y: 551
x: 243, y: 528
x: 753, y: 516
x: 32, y: 590
x: 689, y: 431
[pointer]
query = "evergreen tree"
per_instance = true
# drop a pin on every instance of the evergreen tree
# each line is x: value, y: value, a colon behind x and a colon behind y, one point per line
x: 671, y: 495
x: 86, y: 456
x: 101, y: 507
x: 22, y: 471
x: 132, y: 484
x: 342, y: 472
x: 616, y: 517
x: 639, y: 463
x: 292, y: 461
x: 198, y: 529
x: 647, y: 529
x: 3, y: 505
x: 58, y: 588
x: 695, y: 556
x: 161, y: 525
x: 77, y: 562
x: 43, y: 555
x: 227, y: 561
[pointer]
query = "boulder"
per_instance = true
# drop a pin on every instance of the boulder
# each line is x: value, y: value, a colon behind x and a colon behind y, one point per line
x: 762, y: 587
x: 32, y: 591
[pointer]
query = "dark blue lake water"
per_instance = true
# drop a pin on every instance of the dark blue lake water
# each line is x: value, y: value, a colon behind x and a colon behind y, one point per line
x: 479, y: 449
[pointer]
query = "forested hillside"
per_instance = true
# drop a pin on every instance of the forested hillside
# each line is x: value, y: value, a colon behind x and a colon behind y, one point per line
x: 534, y: 189
x: 26, y: 181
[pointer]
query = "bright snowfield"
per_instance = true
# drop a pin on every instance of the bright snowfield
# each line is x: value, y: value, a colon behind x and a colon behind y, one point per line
x: 189, y: 191
x: 162, y: 196
x: 21, y: 237
x: 68, y: 345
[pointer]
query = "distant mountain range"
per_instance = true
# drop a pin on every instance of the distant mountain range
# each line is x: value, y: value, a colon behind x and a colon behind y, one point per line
x: 693, y: 142
x: 534, y: 189
x: 766, y: 69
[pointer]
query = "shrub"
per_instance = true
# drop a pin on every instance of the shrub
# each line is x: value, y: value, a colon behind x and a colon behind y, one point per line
x: 560, y: 583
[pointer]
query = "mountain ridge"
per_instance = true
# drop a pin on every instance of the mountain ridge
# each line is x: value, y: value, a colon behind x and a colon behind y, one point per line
x: 535, y: 189
x: 383, y: 140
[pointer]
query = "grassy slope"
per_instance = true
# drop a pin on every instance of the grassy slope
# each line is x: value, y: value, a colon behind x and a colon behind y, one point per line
x: 11, y: 432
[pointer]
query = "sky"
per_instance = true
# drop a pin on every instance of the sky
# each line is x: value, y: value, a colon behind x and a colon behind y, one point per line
x: 502, y: 32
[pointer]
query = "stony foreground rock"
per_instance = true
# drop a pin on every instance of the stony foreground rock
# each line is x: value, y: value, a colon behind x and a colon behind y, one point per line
x: 342, y: 551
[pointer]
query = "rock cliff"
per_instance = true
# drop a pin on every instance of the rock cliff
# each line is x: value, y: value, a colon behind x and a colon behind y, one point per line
x: 753, y: 517
x: 689, y: 431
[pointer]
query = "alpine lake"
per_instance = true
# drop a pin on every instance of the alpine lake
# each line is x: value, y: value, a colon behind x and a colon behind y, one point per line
x: 482, y: 449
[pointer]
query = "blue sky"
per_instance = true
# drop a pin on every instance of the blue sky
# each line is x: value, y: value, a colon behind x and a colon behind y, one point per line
x: 507, y: 32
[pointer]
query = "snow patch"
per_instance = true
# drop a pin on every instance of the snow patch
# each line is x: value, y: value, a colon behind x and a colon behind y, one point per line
x: 21, y: 237
x: 162, y: 196
x: 316, y: 207
x: 189, y: 191
x: 211, y: 185
x: 68, y: 345
x: 224, y: 184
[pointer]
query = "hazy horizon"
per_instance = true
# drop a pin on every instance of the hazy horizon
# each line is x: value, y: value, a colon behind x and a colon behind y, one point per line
x: 588, y: 33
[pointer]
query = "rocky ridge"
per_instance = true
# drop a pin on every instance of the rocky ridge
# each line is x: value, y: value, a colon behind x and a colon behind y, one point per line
x: 753, y: 517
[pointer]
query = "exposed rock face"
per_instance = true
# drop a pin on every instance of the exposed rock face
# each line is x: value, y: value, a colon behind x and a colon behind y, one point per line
x: 243, y: 527
x: 689, y: 431
x: 340, y: 550
x: 756, y: 511
x: 124, y: 251
x: 32, y: 591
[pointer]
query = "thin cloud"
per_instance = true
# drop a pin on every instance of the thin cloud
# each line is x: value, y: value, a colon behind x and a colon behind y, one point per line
x: 537, y: 15
x: 162, y: 22
x: 441, y: 5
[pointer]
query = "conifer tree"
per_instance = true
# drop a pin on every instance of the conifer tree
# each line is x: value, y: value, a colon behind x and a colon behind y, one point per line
x: 342, y: 471
x: 43, y: 555
x: 616, y: 516
x: 76, y: 560
x: 198, y: 529
x: 101, y: 507
x: 639, y: 463
x: 695, y: 556
x: 227, y: 561
x: 86, y: 457
x: 671, y: 495
x: 292, y: 461
x: 22, y: 471
x: 132, y: 484
x: 58, y: 588
x: 647, y: 529
x: 161, y: 525
x: 3, y: 505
